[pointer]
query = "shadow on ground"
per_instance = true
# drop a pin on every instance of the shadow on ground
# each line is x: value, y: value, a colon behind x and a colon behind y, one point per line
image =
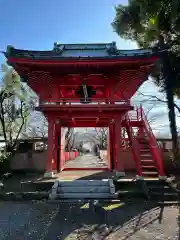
x: 137, y: 220
x: 124, y: 220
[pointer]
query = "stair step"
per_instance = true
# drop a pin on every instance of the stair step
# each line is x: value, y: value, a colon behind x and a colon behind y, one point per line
x: 84, y: 196
x: 142, y: 146
x: 150, y: 173
x: 162, y: 189
x: 145, y: 150
x: 147, y: 160
x: 84, y: 183
x: 150, y: 167
x: 165, y: 194
x: 145, y: 155
x: 83, y: 189
x: 154, y: 186
x: 143, y: 143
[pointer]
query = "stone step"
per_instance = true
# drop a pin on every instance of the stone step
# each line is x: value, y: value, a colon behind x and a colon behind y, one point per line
x: 85, y: 196
x: 150, y: 173
x: 84, y: 183
x: 161, y: 188
x: 82, y: 189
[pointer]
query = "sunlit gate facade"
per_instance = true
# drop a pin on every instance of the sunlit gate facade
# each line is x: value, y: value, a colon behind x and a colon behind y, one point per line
x: 90, y: 85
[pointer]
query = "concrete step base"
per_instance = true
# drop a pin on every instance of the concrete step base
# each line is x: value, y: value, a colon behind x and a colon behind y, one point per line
x: 83, y: 189
x: 84, y: 196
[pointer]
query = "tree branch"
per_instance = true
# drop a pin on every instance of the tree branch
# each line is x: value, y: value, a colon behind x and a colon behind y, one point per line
x: 22, y: 124
x: 159, y: 100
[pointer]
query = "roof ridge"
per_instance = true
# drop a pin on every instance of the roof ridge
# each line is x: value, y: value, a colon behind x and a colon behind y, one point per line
x: 97, y: 43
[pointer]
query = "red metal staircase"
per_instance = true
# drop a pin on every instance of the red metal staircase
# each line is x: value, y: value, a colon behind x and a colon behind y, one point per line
x: 146, y: 151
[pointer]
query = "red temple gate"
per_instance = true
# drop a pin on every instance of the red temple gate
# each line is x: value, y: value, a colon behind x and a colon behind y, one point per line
x: 90, y: 85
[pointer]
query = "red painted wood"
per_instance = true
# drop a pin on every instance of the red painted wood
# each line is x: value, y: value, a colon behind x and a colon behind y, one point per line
x: 120, y: 83
x: 134, y: 146
x: 83, y: 62
x: 153, y: 145
x: 88, y: 169
x: 53, y: 82
x: 118, y: 145
x: 50, y: 159
x: 114, y: 146
x: 70, y: 155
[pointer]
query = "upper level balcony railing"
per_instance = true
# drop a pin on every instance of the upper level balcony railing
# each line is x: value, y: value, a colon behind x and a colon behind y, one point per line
x: 70, y: 101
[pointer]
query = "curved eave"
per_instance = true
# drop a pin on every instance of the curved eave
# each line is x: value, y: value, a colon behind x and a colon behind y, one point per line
x: 84, y: 61
x: 60, y: 55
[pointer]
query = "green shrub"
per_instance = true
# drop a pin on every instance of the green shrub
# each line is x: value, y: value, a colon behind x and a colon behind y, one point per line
x: 4, y: 161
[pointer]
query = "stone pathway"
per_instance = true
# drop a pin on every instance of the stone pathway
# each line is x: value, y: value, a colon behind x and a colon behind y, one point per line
x: 86, y: 161
x: 65, y: 221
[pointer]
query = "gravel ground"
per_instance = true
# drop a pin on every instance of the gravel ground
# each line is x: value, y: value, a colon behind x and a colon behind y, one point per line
x: 70, y: 221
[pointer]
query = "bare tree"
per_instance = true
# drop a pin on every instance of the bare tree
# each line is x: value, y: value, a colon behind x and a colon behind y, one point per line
x: 101, y: 135
x: 156, y: 100
x: 69, y: 139
x: 37, y: 127
x: 15, y: 107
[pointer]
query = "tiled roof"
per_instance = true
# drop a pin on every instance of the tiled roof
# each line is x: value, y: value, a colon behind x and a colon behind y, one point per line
x: 65, y: 51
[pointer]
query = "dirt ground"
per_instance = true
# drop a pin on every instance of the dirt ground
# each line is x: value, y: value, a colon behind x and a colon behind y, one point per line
x: 71, y: 221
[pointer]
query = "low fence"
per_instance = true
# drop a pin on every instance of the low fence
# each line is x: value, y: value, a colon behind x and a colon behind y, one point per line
x: 35, y: 160
x: 70, y: 155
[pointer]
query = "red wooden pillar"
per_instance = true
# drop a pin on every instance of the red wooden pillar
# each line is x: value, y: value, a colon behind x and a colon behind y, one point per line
x: 111, y: 148
x: 59, y: 153
x: 50, y: 157
x: 118, y: 147
x: 57, y: 150
x: 62, y: 152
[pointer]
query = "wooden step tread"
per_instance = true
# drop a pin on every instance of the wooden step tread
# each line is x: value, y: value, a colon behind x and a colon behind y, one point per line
x: 145, y: 150
x: 148, y: 167
x: 147, y: 160
x: 145, y: 155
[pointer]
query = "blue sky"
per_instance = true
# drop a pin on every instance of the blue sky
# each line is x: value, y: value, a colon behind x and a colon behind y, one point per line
x: 37, y: 24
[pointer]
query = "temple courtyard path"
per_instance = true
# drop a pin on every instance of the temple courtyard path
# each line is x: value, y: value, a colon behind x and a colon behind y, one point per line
x: 71, y: 221
x: 86, y: 161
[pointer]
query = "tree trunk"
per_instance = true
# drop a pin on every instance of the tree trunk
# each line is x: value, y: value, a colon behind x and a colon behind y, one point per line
x: 172, y: 123
x: 168, y: 76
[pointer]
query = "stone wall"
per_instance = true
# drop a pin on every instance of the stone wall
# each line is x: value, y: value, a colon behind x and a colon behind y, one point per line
x: 36, y: 161
x: 35, y: 158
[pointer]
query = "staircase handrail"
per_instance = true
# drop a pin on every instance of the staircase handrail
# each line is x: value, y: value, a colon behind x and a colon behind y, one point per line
x: 156, y: 149
x: 149, y: 129
x: 135, y: 146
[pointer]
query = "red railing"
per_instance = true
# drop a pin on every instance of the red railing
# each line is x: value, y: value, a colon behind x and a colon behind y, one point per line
x: 135, y: 146
x: 156, y: 149
x: 70, y: 155
x: 73, y: 101
x: 133, y: 115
